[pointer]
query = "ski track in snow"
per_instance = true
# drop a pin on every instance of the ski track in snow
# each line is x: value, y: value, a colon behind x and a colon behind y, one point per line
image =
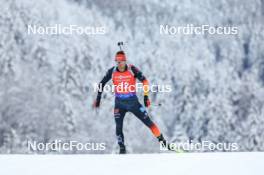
x: 131, y: 164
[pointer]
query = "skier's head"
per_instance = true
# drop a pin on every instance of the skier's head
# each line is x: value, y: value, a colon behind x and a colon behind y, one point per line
x: 120, y: 59
x: 120, y: 56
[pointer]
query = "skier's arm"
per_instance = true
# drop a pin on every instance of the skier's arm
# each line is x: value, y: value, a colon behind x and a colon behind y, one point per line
x: 139, y: 75
x: 101, y: 85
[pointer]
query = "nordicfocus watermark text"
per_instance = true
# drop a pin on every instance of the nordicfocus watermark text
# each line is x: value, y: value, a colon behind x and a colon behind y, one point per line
x: 125, y: 87
x: 59, y: 29
x: 59, y: 145
x: 190, y: 29
x: 201, y: 146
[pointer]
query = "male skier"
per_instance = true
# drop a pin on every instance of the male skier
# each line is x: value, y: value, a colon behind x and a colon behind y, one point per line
x: 126, y: 99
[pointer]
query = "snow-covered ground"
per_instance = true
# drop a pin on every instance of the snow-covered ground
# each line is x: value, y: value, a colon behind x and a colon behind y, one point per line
x: 161, y: 164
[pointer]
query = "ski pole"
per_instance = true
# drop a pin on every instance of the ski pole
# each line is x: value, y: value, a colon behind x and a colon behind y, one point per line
x: 157, y: 105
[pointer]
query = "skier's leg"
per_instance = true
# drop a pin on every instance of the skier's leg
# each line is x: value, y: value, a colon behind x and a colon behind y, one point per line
x: 119, y: 115
x: 140, y: 112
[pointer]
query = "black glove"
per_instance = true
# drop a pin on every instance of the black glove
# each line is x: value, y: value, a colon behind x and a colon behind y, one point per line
x: 96, y: 103
x: 146, y: 101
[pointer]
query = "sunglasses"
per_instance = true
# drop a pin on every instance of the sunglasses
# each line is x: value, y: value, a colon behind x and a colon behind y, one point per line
x: 120, y: 62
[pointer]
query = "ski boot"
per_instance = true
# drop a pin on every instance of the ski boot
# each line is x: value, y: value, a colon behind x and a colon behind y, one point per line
x: 168, y: 145
x: 122, y: 149
x: 163, y: 142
